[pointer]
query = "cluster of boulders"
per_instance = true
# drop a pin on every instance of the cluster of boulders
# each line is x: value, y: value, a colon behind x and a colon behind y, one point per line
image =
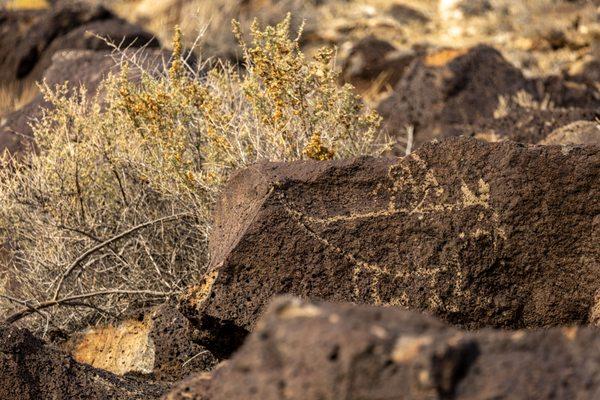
x: 468, y: 269
x: 477, y: 234
x: 477, y: 92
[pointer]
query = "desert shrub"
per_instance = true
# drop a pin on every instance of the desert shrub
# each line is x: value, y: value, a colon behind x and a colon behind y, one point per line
x: 521, y: 100
x: 113, y: 210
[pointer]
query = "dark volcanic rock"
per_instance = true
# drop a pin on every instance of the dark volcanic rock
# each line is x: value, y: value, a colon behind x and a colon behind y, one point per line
x: 28, y: 40
x: 453, y: 92
x: 176, y: 353
x: 525, y: 125
x: 27, y: 35
x: 310, y: 351
x: 373, y: 59
x: 91, y: 37
x: 479, y: 234
x: 32, y: 370
x: 15, y: 132
x: 451, y: 87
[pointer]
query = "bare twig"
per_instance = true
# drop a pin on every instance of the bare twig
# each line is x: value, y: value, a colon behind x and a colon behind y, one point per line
x: 107, y: 242
x: 65, y: 301
x: 410, y: 132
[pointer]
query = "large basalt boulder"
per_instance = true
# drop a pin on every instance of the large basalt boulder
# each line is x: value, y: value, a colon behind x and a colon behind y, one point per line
x: 28, y: 40
x: 33, y: 370
x: 309, y: 351
x: 478, y: 234
x: 446, y: 92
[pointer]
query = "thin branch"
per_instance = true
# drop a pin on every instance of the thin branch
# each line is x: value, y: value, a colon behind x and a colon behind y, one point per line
x: 65, y: 301
x: 24, y: 303
x: 81, y: 232
x: 107, y: 242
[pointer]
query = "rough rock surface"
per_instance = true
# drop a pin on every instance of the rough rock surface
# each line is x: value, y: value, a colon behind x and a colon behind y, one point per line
x: 372, y: 59
x: 580, y: 132
x: 479, y: 234
x: 451, y: 87
x: 524, y: 125
x: 29, y: 39
x: 446, y: 92
x: 158, y: 342
x: 33, y: 370
x: 309, y: 351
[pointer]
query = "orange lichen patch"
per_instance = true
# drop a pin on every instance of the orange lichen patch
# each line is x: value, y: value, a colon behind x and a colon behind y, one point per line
x: 27, y: 4
x: 118, y: 349
x: 443, y: 57
x: 570, y: 333
x: 196, y: 295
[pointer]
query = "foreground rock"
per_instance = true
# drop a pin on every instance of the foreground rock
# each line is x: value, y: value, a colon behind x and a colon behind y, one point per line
x: 32, y: 370
x: 478, y: 234
x: 159, y: 342
x: 310, y: 351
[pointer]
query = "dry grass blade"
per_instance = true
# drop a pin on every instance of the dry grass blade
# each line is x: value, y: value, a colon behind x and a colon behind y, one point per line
x: 102, y: 245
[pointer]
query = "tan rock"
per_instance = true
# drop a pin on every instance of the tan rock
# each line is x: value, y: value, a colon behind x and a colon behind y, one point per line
x: 576, y: 133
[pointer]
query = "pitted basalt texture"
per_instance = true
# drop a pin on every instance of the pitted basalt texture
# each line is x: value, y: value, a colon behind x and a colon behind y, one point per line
x: 33, y: 370
x: 312, y: 351
x: 478, y: 234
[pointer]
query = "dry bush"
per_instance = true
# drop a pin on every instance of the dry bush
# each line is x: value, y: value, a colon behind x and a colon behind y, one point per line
x: 114, y: 208
x: 521, y: 100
